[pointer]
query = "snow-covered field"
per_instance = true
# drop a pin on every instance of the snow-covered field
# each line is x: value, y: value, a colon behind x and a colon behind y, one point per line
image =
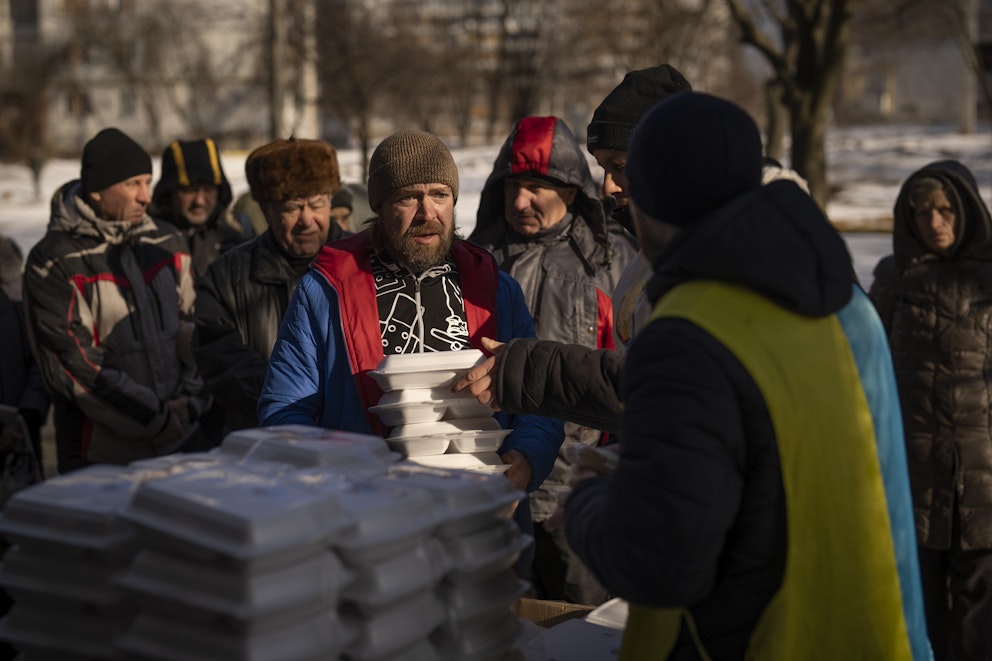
x: 866, y: 165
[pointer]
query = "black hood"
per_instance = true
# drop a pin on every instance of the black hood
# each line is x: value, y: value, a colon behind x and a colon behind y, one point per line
x: 975, y: 226
x: 185, y: 163
x: 773, y: 240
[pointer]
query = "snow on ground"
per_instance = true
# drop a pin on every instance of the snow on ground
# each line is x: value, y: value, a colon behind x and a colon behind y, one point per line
x: 866, y: 166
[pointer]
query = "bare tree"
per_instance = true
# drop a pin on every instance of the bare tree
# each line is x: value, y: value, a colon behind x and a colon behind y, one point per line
x: 360, y: 61
x: 804, y: 43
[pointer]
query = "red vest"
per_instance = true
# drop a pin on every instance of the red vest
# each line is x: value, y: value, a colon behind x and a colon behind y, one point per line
x: 346, y: 265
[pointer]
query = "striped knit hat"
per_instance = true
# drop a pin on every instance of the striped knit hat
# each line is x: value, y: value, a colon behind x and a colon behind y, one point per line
x: 406, y: 158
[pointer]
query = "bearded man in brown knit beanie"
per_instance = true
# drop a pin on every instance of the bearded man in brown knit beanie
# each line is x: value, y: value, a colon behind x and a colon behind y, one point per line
x: 406, y: 284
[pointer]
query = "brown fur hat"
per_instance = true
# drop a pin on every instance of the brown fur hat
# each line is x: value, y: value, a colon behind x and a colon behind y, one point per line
x: 294, y: 168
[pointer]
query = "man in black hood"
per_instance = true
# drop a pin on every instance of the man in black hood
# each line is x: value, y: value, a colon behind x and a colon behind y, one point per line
x: 194, y: 195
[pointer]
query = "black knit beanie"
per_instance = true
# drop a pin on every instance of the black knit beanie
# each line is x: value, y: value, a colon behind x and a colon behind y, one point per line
x: 616, y: 117
x: 690, y: 155
x: 110, y: 157
x: 406, y: 158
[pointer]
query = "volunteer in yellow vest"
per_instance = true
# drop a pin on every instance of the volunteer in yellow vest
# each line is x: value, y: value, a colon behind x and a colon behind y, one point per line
x: 761, y: 504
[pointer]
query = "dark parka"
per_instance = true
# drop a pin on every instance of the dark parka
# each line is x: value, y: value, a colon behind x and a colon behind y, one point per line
x: 938, y: 313
x: 240, y: 303
x: 694, y: 415
x: 566, y: 276
x: 105, y: 301
x: 190, y: 162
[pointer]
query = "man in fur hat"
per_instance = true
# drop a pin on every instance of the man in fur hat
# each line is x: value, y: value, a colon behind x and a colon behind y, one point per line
x: 407, y: 284
x: 107, y: 293
x: 244, y: 293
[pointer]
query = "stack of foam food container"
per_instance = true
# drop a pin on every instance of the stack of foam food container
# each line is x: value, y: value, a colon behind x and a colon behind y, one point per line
x: 286, y: 543
x: 70, y: 543
x: 429, y: 425
x: 482, y: 543
x: 236, y: 560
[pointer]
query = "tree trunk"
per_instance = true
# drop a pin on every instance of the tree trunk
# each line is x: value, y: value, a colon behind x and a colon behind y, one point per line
x: 777, y: 120
x: 809, y: 155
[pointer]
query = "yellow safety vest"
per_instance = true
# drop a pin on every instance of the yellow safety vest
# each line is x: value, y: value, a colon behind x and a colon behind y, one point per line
x: 840, y: 597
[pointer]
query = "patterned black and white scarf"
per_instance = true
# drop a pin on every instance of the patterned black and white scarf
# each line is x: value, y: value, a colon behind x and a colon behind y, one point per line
x: 419, y: 313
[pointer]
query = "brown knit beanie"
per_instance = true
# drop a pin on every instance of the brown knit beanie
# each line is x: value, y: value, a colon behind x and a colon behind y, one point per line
x: 406, y: 158
x: 289, y: 169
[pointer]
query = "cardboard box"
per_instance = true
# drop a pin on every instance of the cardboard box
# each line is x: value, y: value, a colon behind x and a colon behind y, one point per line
x: 546, y: 613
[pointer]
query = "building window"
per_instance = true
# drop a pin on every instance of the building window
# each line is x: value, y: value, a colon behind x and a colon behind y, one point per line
x: 77, y: 104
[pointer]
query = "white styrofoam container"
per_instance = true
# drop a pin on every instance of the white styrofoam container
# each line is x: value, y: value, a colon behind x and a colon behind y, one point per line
x: 484, y: 463
x: 478, y: 440
x: 450, y: 427
x: 32, y: 575
x: 403, y: 413
x: 486, y: 551
x: 424, y: 370
x: 391, y: 580
x: 255, y: 519
x: 419, y: 446
x: 314, y: 638
x: 242, y: 442
x: 482, y: 639
x: 469, y: 599
x: 75, y: 513
x: 45, y: 632
x: 396, y: 628
x: 426, y: 405
x: 468, y: 501
x: 388, y: 518
x: 221, y: 594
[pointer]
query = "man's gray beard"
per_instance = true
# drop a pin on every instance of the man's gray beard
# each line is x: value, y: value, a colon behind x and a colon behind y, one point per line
x: 414, y: 257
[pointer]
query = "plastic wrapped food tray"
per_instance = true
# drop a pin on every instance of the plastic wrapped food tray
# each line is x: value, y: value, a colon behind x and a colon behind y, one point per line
x: 244, y: 441
x: 253, y: 519
x: 399, y: 627
x: 209, y: 594
x: 391, y: 580
x: 319, y: 636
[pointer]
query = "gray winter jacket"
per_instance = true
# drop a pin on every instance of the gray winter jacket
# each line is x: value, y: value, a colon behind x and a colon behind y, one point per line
x: 938, y: 314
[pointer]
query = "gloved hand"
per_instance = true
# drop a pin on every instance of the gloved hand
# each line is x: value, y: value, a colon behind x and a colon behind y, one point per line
x: 11, y: 437
x: 177, y: 426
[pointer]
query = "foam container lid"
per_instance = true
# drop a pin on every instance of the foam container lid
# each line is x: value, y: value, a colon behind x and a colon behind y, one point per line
x: 249, y: 517
x: 318, y: 636
x: 387, y: 517
x: 459, y: 494
x: 79, y: 509
x: 242, y: 442
x: 416, y: 570
x: 429, y: 361
x: 171, y: 464
x: 179, y: 586
x: 396, y: 628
